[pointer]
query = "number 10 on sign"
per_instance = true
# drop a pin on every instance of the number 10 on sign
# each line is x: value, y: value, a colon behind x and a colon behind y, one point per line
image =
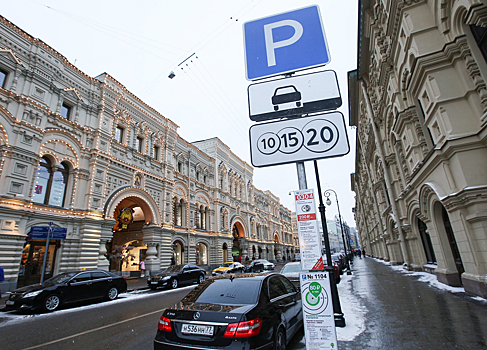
x: 317, y: 137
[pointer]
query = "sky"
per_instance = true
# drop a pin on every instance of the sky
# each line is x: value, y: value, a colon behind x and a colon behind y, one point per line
x: 140, y: 43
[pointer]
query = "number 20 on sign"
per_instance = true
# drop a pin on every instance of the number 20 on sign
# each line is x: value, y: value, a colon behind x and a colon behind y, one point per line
x: 308, y: 138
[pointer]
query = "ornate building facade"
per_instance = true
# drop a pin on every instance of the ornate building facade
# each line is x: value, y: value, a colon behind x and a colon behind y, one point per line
x: 419, y: 101
x: 88, y: 156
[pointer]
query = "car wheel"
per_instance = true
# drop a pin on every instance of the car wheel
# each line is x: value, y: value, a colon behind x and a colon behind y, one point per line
x: 201, y: 279
x: 112, y: 293
x: 174, y: 283
x: 52, y: 302
x: 280, y: 340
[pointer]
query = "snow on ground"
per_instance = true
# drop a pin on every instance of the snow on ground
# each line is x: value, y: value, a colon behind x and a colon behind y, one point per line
x: 8, y: 318
x: 353, y: 310
x: 430, y: 279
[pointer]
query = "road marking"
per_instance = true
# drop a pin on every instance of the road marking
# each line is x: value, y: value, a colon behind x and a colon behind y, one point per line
x: 93, y: 330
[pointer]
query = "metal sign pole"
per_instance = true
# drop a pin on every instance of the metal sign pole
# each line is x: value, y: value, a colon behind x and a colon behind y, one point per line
x: 339, y: 319
x: 45, y: 252
x: 301, y: 176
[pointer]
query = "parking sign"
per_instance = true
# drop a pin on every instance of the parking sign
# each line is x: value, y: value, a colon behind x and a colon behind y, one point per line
x: 285, y: 43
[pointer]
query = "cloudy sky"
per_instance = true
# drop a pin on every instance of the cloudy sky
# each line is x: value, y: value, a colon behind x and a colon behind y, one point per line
x: 140, y: 43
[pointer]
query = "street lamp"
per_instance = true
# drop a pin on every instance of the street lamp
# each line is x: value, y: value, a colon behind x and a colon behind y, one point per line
x: 328, y: 202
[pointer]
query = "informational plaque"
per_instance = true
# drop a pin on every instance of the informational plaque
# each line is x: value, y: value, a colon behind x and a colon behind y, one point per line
x: 308, y: 231
x: 318, y: 315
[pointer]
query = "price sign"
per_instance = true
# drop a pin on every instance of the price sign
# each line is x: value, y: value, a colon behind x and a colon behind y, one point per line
x: 296, y: 140
x: 308, y: 231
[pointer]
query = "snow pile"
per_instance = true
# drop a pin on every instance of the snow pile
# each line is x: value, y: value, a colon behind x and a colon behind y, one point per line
x: 353, y: 310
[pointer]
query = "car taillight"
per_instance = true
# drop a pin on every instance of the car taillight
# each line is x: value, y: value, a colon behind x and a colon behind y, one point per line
x: 164, y: 324
x: 243, y: 329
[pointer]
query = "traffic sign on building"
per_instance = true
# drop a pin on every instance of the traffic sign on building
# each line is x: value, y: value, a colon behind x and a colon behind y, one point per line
x: 298, y: 140
x: 283, y: 43
x: 297, y: 95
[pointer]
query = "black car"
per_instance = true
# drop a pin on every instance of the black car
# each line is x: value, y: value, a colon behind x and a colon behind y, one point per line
x: 236, y: 311
x: 255, y: 266
x: 67, y: 287
x: 177, y: 275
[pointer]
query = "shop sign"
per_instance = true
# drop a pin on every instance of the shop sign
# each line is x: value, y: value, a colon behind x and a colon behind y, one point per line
x: 318, y: 315
x: 309, y: 234
x: 235, y: 251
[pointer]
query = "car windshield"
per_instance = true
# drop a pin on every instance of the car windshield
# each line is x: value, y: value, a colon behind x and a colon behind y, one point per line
x: 61, y: 278
x: 290, y: 268
x: 227, y: 265
x: 173, y: 269
x: 236, y: 291
x: 262, y: 261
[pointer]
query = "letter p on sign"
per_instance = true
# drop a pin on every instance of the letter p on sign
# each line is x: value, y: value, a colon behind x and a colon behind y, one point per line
x: 285, y: 43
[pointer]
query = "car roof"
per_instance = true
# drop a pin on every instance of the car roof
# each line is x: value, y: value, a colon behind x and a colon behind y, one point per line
x: 243, y: 275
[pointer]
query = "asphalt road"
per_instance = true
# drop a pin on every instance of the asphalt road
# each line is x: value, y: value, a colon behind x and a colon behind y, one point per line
x: 130, y: 322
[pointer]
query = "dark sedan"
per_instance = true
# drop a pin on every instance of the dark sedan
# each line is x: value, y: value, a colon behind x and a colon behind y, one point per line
x: 177, y: 275
x: 255, y: 266
x: 236, y: 311
x: 67, y: 288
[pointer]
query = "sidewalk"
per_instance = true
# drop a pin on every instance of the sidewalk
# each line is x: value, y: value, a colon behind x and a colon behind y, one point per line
x: 386, y: 307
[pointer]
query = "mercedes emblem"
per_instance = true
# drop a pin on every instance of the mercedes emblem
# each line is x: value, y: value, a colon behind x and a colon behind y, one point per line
x: 196, y: 315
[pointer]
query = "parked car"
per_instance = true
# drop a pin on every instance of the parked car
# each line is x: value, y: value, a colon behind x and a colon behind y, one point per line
x: 233, y: 311
x: 66, y: 288
x: 228, y: 267
x: 255, y: 266
x: 339, y: 259
x: 177, y: 275
x: 267, y: 264
x: 292, y: 271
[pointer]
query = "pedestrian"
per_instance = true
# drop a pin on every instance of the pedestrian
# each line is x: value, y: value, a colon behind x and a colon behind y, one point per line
x: 2, y: 278
x: 363, y: 251
x: 142, y: 268
x: 173, y: 261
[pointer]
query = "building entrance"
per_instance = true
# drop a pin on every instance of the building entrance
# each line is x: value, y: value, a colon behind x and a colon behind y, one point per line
x: 33, y: 259
x: 127, y: 248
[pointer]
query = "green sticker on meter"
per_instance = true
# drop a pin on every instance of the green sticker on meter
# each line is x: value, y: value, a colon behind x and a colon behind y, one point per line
x: 313, y: 296
x: 315, y: 289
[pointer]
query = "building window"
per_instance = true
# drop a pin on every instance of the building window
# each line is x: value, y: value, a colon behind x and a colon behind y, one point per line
x: 65, y: 111
x: 3, y: 78
x: 480, y: 35
x: 180, y: 167
x: 50, y: 184
x: 156, y: 152
x: 119, y: 134
x: 139, y: 143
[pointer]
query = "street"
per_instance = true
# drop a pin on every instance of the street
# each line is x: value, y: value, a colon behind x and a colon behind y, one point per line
x: 385, y: 307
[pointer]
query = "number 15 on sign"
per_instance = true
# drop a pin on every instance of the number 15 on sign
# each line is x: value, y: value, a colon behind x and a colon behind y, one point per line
x: 317, y: 137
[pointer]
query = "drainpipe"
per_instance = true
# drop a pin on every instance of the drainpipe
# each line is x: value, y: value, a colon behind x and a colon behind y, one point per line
x: 378, y: 144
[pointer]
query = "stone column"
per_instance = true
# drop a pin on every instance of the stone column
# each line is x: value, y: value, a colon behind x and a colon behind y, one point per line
x: 152, y: 237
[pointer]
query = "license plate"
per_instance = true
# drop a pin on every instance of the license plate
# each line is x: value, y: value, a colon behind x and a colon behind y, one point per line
x: 10, y: 302
x: 197, y: 329
x: 154, y: 283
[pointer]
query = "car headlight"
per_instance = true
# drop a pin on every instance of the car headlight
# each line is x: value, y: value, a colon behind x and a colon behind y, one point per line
x: 165, y: 278
x: 32, y: 294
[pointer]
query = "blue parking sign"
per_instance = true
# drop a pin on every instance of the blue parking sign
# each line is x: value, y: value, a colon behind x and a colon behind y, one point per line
x: 285, y: 43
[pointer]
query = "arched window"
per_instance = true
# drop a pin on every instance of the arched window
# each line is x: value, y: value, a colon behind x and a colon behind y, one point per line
x: 50, y: 183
